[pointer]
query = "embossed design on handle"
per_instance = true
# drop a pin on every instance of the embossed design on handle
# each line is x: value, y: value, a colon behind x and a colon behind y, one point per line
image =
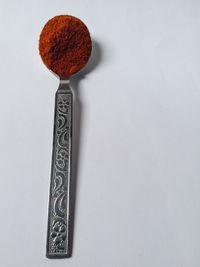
x: 58, y: 234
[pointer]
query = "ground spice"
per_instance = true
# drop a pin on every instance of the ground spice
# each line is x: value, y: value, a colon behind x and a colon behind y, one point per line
x: 65, y: 45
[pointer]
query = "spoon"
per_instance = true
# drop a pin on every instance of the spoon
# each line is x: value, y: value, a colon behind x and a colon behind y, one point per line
x: 65, y: 47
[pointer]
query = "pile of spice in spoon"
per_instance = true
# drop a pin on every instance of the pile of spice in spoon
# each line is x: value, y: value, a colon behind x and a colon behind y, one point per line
x: 65, y: 47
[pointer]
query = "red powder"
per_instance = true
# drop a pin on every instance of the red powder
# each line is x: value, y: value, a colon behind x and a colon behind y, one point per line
x: 65, y: 45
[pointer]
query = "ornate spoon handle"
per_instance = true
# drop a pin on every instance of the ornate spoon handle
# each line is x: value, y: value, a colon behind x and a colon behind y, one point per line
x: 59, y: 218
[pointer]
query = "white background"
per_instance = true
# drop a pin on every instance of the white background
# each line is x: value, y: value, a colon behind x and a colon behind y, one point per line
x: 138, y: 121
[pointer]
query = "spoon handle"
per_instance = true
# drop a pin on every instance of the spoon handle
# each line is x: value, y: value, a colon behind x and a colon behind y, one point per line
x: 59, y: 217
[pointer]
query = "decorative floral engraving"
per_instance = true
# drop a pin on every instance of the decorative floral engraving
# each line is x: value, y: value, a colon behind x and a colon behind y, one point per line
x: 57, y: 228
x: 62, y: 158
x: 58, y: 234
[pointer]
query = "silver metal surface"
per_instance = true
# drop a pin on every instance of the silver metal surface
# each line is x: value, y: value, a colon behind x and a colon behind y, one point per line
x: 59, y: 234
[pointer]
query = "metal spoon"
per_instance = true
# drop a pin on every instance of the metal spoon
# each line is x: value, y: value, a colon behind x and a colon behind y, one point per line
x: 69, y: 34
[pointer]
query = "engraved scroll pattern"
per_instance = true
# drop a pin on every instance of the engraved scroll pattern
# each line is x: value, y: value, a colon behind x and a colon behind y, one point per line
x: 57, y: 229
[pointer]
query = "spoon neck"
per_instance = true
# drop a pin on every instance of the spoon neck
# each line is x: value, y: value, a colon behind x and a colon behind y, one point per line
x: 64, y: 86
x: 64, y: 81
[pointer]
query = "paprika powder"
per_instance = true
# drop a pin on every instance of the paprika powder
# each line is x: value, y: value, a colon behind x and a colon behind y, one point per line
x: 65, y: 45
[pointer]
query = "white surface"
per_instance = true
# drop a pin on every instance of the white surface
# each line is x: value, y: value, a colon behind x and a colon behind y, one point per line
x: 138, y: 200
